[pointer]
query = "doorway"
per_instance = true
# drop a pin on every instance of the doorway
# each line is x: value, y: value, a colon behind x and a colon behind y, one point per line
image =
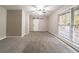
x: 35, y: 24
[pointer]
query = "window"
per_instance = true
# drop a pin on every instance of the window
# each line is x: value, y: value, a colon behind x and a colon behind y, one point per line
x: 76, y: 26
x: 64, y: 25
x: 69, y: 25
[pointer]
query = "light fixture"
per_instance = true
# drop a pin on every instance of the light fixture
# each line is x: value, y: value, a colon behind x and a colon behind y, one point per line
x: 40, y: 6
x: 39, y: 9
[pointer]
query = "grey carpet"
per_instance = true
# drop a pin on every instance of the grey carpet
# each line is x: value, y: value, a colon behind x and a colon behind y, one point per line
x: 35, y: 42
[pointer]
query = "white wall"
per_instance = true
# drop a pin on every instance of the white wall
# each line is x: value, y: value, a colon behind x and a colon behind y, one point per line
x: 3, y: 14
x: 23, y: 23
x: 27, y: 23
x: 53, y: 20
x: 42, y: 25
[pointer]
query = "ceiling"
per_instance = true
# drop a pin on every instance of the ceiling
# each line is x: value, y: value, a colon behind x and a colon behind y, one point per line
x: 35, y: 10
x: 42, y: 10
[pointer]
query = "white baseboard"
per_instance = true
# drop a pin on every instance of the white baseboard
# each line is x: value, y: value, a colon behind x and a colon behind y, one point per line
x: 23, y: 35
x: 3, y: 38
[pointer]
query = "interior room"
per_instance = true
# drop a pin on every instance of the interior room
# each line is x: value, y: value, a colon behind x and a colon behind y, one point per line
x: 39, y: 28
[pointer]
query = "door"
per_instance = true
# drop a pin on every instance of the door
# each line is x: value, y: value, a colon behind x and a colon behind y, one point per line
x: 35, y: 24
